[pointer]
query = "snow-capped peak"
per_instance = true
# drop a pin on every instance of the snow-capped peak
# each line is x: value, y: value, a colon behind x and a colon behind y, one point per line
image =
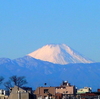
x: 59, y: 54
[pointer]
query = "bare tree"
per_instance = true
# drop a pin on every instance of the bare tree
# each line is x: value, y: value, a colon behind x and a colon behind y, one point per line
x: 18, y: 81
x: 14, y: 80
x: 1, y: 79
x: 8, y: 85
x: 21, y: 81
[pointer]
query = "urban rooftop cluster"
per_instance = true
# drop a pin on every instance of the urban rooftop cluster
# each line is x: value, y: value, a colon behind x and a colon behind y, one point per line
x: 63, y: 91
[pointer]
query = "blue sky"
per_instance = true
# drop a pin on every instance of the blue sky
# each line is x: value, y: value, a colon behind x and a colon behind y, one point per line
x: 26, y: 25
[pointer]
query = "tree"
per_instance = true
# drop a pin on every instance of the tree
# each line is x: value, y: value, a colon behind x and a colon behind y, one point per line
x: 18, y: 81
x: 8, y: 85
x: 15, y: 80
x: 1, y: 79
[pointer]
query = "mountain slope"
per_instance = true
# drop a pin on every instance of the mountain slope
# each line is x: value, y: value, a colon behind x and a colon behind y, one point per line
x: 59, y: 54
x: 38, y: 72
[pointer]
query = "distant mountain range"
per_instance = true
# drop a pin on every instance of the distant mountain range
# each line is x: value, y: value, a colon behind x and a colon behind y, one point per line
x: 59, y: 54
x: 38, y: 72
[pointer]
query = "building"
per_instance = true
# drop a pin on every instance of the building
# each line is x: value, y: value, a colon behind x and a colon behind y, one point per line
x: 58, y: 96
x: 89, y: 95
x: 3, y: 94
x: 21, y: 93
x: 60, y: 92
x: 45, y: 92
x: 84, y: 90
x: 66, y: 88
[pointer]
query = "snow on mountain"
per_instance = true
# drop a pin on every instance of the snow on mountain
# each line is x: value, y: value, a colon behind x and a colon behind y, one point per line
x: 59, y: 54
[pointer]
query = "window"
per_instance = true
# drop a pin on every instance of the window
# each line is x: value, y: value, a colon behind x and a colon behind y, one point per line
x: 46, y: 90
x: 66, y: 91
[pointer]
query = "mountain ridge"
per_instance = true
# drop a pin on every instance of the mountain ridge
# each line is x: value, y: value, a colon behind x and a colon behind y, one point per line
x: 38, y: 72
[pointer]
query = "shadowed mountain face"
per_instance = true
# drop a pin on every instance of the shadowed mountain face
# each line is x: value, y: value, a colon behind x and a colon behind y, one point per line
x: 59, y: 54
x: 38, y: 72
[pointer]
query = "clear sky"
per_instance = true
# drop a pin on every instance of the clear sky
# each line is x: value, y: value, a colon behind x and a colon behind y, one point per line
x: 26, y: 25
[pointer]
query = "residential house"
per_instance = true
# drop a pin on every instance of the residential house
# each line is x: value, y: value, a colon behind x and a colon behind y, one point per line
x: 84, y: 90
x: 21, y: 93
x: 3, y: 94
x: 89, y: 95
x: 66, y: 90
x: 45, y: 92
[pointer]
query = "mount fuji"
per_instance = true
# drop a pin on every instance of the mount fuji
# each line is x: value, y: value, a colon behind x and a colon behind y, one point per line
x: 77, y: 70
x: 59, y: 54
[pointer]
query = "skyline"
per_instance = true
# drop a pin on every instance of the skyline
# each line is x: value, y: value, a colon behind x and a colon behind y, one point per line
x: 26, y: 26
